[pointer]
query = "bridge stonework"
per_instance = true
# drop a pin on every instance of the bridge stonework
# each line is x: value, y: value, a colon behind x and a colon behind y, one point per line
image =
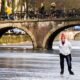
x: 39, y: 30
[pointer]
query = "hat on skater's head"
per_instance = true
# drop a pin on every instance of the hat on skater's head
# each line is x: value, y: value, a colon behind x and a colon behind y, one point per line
x: 62, y: 36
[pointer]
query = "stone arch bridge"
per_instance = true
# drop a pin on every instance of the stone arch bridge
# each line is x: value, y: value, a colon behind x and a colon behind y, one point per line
x: 41, y: 32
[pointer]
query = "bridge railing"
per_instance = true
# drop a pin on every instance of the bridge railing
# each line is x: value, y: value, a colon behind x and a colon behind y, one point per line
x: 47, y: 14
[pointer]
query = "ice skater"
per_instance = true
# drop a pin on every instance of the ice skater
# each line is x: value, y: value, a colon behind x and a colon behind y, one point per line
x: 65, y: 53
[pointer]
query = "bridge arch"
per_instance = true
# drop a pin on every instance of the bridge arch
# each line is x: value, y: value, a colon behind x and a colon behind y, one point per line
x: 6, y: 28
x: 49, y: 39
x: 77, y: 36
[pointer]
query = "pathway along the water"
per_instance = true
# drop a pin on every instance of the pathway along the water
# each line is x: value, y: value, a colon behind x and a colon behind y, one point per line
x: 25, y: 65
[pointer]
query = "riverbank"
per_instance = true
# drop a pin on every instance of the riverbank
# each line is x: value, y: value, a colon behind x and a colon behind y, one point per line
x: 14, y: 39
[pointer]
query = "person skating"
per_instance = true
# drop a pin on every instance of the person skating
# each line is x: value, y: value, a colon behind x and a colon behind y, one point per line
x: 65, y: 53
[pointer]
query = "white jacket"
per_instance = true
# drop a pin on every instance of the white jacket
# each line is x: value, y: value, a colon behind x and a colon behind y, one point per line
x: 66, y: 48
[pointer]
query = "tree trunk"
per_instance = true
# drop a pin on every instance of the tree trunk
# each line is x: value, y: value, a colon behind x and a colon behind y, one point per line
x: 3, y: 5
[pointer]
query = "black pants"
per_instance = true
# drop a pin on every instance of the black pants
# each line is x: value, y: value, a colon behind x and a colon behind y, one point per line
x: 68, y: 59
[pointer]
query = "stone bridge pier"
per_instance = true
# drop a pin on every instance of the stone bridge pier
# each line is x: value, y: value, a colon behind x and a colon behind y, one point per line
x: 41, y: 32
